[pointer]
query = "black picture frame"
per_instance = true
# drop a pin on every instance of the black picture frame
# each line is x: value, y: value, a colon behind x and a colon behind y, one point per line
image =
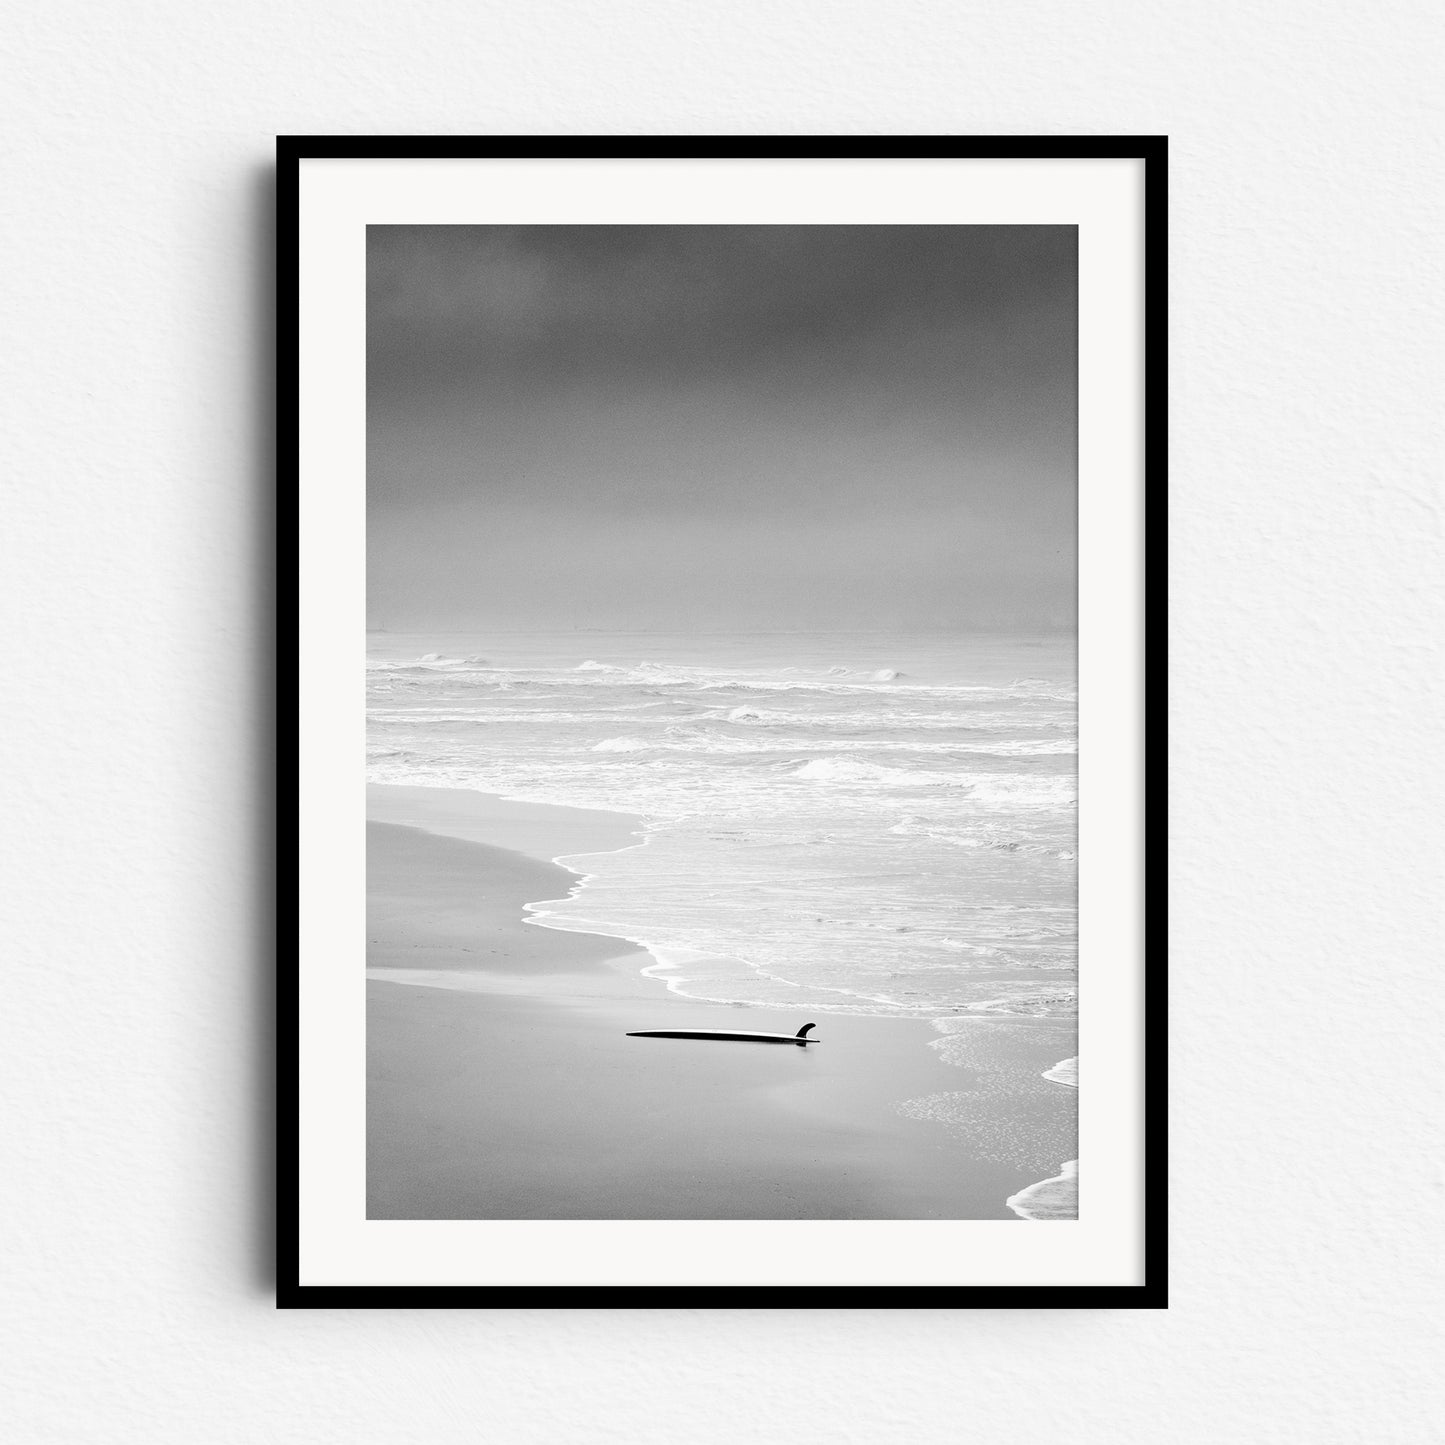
x: 291, y: 152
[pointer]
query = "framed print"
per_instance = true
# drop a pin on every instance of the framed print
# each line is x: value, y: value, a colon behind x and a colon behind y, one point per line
x: 714, y: 586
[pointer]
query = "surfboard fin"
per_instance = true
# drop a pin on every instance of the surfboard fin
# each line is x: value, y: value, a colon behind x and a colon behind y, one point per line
x: 803, y: 1031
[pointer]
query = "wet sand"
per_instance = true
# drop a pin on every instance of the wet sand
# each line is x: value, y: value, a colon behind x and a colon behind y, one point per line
x: 501, y: 1083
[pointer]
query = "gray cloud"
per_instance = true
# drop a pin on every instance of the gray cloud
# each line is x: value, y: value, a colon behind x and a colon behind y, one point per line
x: 716, y: 426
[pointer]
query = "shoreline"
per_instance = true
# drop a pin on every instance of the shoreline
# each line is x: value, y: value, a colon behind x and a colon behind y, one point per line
x: 501, y: 1083
x: 502, y: 822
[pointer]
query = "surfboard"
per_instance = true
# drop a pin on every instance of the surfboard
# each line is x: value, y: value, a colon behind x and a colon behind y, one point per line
x: 739, y: 1036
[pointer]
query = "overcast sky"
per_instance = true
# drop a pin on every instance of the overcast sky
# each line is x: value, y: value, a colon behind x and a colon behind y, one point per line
x: 717, y: 427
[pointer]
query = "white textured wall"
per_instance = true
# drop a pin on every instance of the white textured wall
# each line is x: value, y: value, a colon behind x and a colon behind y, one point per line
x: 1307, y: 613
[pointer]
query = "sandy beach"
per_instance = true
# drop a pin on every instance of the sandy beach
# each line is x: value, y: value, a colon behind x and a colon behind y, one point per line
x: 501, y: 1083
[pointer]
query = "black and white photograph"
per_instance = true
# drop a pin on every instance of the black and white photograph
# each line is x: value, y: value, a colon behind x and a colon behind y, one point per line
x: 720, y: 593
x: 721, y: 722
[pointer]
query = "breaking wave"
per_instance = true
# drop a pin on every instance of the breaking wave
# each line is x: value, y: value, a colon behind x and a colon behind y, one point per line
x: 848, y: 770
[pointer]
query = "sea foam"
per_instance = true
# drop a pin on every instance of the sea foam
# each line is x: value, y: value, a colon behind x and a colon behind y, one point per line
x: 1055, y: 1198
x: 1066, y: 1071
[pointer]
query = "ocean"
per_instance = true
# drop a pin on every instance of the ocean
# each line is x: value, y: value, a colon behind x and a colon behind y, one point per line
x: 837, y: 822
x: 854, y: 822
